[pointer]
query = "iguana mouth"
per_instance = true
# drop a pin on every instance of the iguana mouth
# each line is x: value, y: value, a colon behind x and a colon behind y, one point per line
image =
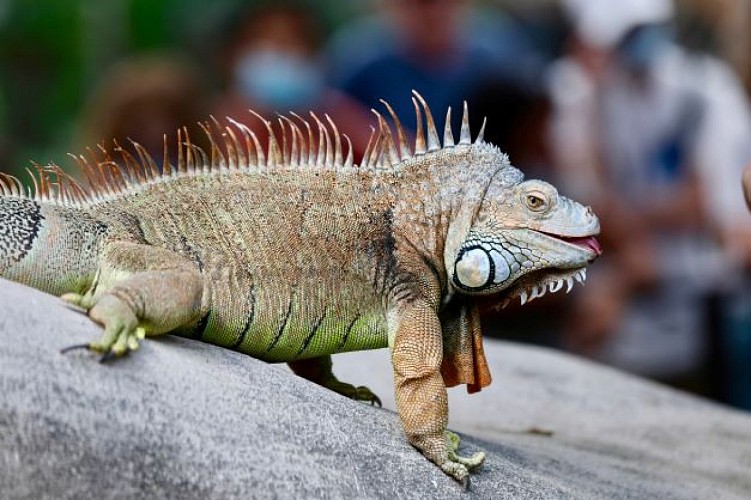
x: 539, y: 283
x: 588, y: 242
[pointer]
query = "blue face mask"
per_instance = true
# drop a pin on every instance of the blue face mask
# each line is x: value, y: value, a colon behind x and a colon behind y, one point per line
x: 279, y: 81
x: 644, y: 46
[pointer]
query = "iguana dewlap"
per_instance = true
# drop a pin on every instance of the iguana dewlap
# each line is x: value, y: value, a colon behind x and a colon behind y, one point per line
x: 294, y: 253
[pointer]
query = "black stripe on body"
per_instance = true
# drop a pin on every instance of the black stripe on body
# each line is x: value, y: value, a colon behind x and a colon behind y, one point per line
x: 381, y: 250
x: 312, y: 334
x: 346, y: 334
x: 20, y: 221
x: 248, y: 321
x: 440, y: 276
x: 189, y: 250
x: 281, y: 327
x: 200, y: 327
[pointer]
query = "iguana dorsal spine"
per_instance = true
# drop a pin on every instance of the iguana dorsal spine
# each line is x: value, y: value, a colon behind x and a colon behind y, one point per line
x: 238, y: 149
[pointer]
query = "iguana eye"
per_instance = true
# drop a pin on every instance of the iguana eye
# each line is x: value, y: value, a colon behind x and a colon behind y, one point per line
x: 536, y: 202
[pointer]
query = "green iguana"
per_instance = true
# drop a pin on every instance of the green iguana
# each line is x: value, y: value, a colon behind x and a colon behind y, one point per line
x: 293, y: 253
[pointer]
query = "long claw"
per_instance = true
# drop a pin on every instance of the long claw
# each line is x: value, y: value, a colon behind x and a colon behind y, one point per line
x: 465, y: 482
x: 74, y: 347
x: 107, y: 357
x: 455, y: 470
x: 75, y: 308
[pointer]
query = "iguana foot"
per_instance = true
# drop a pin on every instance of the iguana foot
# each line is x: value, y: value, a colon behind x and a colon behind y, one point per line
x: 121, y: 331
x: 457, y: 466
x: 470, y: 463
x: 358, y: 393
x: 319, y: 370
x: 457, y: 471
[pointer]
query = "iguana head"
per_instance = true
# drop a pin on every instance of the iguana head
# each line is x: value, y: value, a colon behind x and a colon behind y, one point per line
x: 504, y: 235
x: 525, y: 239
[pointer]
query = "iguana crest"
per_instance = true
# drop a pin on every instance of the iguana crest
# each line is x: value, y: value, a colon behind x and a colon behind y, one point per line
x: 117, y: 171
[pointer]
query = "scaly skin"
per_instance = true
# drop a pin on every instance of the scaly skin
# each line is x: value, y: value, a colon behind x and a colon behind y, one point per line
x: 293, y: 255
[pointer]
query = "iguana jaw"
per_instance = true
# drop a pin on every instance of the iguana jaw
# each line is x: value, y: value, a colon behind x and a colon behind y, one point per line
x: 589, y: 243
x: 537, y: 284
x: 554, y: 279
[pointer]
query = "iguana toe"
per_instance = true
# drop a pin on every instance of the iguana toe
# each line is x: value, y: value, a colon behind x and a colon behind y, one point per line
x: 453, y: 440
x: 470, y: 463
x: 77, y: 302
x: 365, y: 394
x: 360, y: 393
x: 121, y: 331
x: 457, y: 471
x: 126, y: 341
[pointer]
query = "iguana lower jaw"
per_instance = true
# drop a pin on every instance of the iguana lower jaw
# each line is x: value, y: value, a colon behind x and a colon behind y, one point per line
x: 536, y: 285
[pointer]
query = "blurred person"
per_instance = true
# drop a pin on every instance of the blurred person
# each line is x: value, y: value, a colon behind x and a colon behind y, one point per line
x: 142, y: 99
x: 271, y: 64
x: 445, y: 49
x: 722, y: 27
x: 656, y: 138
x: 451, y: 51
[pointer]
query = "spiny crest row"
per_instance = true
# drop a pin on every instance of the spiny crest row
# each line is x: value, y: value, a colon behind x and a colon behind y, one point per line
x: 239, y: 149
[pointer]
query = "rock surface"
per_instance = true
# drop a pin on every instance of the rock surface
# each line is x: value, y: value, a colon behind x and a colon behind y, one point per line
x: 181, y: 419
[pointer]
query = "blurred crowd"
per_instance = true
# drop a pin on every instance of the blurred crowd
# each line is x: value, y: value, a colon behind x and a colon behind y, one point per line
x: 637, y: 107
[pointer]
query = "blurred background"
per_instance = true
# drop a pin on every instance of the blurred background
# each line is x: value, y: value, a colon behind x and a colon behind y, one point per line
x: 637, y: 107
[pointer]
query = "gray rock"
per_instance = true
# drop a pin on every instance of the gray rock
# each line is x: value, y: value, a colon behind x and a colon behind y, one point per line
x: 181, y: 419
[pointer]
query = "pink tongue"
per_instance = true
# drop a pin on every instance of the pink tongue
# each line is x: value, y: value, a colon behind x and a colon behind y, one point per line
x: 588, y: 242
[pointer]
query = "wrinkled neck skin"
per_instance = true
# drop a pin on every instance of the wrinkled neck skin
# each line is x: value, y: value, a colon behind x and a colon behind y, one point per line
x: 438, y: 196
x: 48, y: 247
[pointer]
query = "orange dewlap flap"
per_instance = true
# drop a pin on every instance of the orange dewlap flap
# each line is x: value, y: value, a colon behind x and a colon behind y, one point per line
x: 463, y: 355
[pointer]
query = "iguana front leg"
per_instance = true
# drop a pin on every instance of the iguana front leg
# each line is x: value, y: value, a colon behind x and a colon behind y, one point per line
x: 319, y: 370
x: 140, y: 290
x: 421, y: 399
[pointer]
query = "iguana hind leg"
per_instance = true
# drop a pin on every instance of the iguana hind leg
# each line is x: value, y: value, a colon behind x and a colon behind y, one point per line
x: 140, y: 290
x: 319, y: 370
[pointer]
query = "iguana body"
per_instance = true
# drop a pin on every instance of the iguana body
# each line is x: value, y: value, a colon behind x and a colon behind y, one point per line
x: 293, y: 254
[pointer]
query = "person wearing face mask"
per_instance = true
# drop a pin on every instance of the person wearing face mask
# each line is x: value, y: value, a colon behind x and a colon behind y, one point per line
x: 271, y: 63
x: 278, y: 80
x: 656, y: 137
